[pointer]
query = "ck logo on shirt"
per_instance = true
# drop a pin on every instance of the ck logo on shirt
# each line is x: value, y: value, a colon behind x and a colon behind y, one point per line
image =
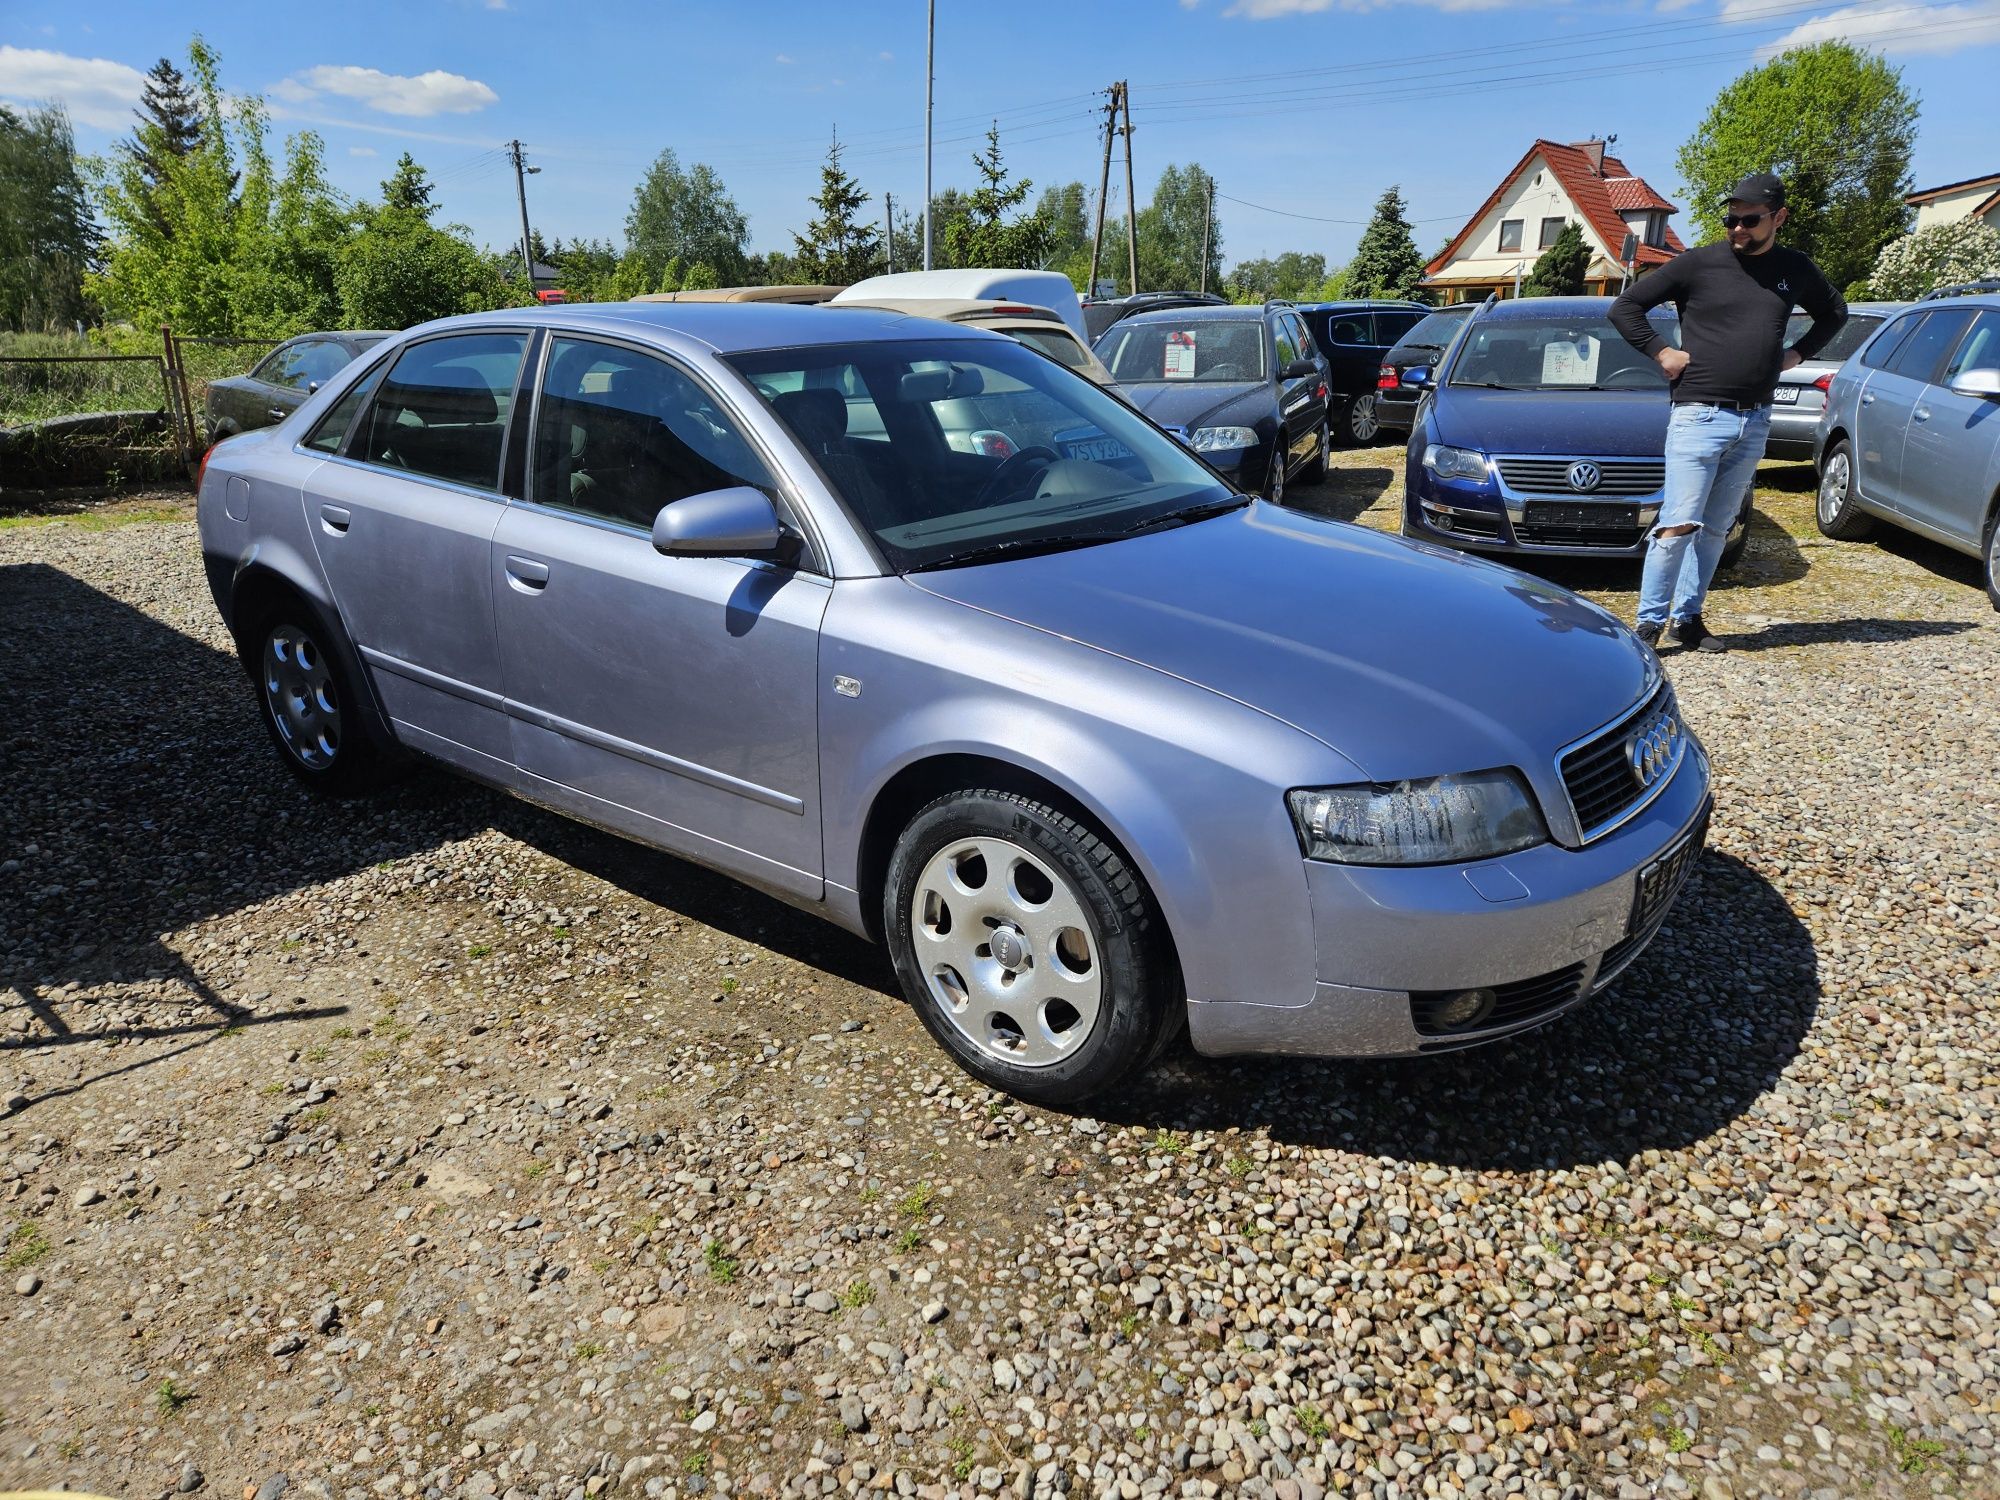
x: 1784, y: 286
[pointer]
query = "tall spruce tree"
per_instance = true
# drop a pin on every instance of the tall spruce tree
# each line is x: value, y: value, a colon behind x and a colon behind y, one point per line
x: 1560, y: 269
x: 838, y: 247
x: 169, y: 131
x: 1386, y: 263
x: 985, y: 236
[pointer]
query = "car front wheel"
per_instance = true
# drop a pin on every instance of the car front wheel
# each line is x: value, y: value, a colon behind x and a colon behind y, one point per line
x: 1835, y: 511
x: 1029, y: 947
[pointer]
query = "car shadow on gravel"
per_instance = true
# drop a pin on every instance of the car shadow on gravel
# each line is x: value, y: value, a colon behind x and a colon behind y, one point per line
x: 1861, y: 631
x: 142, y: 797
x: 1681, y: 1045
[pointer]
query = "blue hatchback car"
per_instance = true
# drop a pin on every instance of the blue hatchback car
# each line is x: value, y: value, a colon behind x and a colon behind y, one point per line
x: 1542, y: 431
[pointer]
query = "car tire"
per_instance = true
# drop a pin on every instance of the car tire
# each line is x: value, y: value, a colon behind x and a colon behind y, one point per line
x: 1834, y: 508
x: 1739, y: 540
x: 1993, y: 554
x: 1274, y: 482
x: 318, y: 720
x: 1315, y: 470
x: 1085, y: 951
x: 1359, y: 426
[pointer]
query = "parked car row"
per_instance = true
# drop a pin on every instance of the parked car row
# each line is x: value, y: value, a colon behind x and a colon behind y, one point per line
x: 1100, y: 746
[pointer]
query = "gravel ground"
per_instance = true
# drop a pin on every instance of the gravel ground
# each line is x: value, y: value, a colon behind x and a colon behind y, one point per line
x: 436, y: 1146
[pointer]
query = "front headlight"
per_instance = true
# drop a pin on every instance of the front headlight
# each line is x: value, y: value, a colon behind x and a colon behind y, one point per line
x: 1441, y: 820
x: 1213, y: 439
x: 1454, y: 463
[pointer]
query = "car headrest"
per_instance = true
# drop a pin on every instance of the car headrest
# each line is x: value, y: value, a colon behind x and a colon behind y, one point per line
x: 819, y: 417
x: 447, y: 404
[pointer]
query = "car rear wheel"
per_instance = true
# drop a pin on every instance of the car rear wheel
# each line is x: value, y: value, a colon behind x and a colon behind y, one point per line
x: 1993, y: 554
x: 1838, y: 516
x: 1315, y: 470
x: 311, y: 709
x: 1361, y: 425
x: 1028, y: 946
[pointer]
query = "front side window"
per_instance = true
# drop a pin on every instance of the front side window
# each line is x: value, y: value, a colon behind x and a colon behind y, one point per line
x: 1288, y: 346
x: 1555, y: 353
x: 1434, y: 330
x: 1197, y: 349
x: 1551, y: 231
x: 1923, y: 351
x: 442, y: 410
x: 618, y: 434
x: 1879, y: 353
x: 1349, y: 328
x: 1510, y: 234
x: 1979, y: 350
x: 317, y: 362
x: 275, y: 367
x: 948, y: 451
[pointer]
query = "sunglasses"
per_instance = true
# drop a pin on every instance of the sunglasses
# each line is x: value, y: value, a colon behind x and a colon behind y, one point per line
x: 1746, y: 221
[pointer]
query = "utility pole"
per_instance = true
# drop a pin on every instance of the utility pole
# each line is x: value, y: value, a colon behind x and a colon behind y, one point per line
x: 521, y: 191
x: 1207, y: 218
x: 889, y: 214
x: 1131, y: 199
x: 930, y: 83
x: 1104, y: 181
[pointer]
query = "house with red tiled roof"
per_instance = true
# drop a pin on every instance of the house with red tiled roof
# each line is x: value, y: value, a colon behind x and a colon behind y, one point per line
x: 1975, y: 198
x: 1551, y: 185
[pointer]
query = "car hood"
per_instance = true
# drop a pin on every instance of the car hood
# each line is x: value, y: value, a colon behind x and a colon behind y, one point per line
x: 1410, y: 660
x: 1604, y: 424
x: 1207, y: 403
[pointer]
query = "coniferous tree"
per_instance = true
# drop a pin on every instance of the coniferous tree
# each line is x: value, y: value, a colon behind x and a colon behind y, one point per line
x: 838, y: 247
x: 985, y: 236
x: 1386, y: 263
x: 1560, y: 269
x: 169, y: 131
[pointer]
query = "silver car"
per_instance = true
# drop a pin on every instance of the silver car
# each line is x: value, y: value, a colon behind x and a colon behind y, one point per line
x: 1800, y: 396
x: 1911, y: 431
x: 1098, y: 747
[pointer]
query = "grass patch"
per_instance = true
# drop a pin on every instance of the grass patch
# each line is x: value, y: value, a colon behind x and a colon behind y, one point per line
x: 916, y: 1203
x: 170, y: 1398
x: 1915, y: 1455
x: 1239, y: 1166
x: 859, y: 1293
x: 1312, y: 1422
x: 26, y: 1245
x: 962, y: 1462
x: 695, y: 1463
x: 586, y: 1351
x: 536, y: 1168
x: 479, y: 950
x: 99, y: 520
x: 342, y: 1033
x: 722, y: 1266
x: 908, y: 1240
x: 1166, y: 1143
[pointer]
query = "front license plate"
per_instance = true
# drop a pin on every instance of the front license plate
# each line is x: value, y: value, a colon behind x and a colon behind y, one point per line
x: 1098, y: 450
x: 1786, y: 395
x: 1661, y: 881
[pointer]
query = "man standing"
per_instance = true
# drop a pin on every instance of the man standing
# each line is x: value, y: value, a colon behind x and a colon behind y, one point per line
x: 1734, y: 299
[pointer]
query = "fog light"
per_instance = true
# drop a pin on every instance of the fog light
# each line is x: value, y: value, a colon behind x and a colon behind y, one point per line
x: 1466, y: 1009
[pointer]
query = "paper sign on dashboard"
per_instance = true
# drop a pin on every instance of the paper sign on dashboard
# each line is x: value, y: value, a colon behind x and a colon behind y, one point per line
x: 1570, y: 363
x: 1180, y: 355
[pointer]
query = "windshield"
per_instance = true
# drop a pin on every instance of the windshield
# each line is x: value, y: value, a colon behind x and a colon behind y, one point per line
x: 1573, y: 352
x: 1853, y: 334
x: 1194, y: 350
x: 946, y: 449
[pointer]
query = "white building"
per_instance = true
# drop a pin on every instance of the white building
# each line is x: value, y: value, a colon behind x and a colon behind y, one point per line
x: 1975, y: 198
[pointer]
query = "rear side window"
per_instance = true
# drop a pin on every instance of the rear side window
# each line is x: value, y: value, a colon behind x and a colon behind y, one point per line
x: 442, y: 410
x: 1351, y: 328
x: 1884, y: 348
x: 619, y: 434
x: 315, y: 363
x: 1924, y: 351
x: 1433, y: 330
x: 331, y: 433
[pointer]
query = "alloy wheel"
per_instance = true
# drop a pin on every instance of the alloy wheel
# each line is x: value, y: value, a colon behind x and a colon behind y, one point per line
x: 298, y: 687
x: 1361, y: 419
x: 1833, y: 488
x: 1007, y: 952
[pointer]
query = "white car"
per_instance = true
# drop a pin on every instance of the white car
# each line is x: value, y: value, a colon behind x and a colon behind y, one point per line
x: 1050, y: 289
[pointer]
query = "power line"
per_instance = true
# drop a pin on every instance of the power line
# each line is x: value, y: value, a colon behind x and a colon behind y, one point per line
x: 1317, y: 219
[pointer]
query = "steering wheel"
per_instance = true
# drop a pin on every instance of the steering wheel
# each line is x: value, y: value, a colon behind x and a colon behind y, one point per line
x: 1012, y: 465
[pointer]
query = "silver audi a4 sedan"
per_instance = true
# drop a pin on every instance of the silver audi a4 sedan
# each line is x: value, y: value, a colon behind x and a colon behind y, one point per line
x: 1096, y: 746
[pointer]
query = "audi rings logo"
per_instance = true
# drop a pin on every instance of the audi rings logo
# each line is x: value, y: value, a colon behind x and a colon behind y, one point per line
x: 1652, y: 750
x: 1585, y: 477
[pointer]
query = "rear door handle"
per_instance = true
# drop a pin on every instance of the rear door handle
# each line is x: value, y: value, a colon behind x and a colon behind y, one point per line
x: 276, y: 413
x: 1922, y: 414
x: 527, y: 575
x: 1869, y: 399
x: 336, y: 519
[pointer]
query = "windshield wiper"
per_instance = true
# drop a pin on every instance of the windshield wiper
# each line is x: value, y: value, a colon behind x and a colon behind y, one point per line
x: 1493, y: 385
x: 1192, y: 514
x: 1025, y: 546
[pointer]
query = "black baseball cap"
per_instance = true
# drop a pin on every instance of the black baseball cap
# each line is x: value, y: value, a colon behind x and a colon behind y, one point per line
x: 1758, y: 187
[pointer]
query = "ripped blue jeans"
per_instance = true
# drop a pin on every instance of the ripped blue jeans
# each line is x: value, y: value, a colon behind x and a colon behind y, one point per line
x: 1712, y: 454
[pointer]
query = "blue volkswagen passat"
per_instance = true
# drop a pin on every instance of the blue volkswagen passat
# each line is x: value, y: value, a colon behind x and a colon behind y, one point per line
x: 1095, y: 744
x: 1542, y: 432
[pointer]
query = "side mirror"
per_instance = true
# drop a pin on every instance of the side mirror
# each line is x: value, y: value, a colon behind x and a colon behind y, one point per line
x: 1418, y: 376
x: 1978, y: 383
x: 736, y: 522
x: 1301, y: 369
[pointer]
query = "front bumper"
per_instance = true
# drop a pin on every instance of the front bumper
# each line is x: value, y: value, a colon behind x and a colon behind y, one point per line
x: 1543, y: 929
x: 1480, y: 516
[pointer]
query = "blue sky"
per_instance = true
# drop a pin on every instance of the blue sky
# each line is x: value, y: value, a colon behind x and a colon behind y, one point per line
x: 1311, y: 107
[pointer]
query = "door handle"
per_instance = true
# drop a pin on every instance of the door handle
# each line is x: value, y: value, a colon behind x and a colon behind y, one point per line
x: 1922, y: 414
x: 1869, y: 399
x: 276, y: 413
x: 336, y: 519
x: 526, y: 575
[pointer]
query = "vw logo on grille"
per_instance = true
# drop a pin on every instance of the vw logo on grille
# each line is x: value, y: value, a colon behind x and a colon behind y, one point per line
x: 1585, y: 477
x: 1651, y: 751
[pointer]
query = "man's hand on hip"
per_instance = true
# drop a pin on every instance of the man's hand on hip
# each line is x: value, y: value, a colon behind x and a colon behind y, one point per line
x: 1791, y: 361
x: 1673, y: 361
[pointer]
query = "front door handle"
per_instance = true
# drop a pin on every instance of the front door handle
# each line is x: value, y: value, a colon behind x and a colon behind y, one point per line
x: 1922, y: 414
x: 276, y: 413
x: 527, y: 575
x: 1869, y: 399
x: 336, y: 519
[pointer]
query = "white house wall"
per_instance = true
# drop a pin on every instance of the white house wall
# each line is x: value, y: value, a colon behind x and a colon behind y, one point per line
x: 1949, y: 208
x: 1530, y: 202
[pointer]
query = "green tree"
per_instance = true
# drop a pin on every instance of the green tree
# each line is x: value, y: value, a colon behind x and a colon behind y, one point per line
x: 986, y: 235
x: 408, y: 189
x: 1386, y: 263
x: 169, y: 129
x: 46, y: 236
x: 1837, y: 125
x: 838, y: 247
x: 1558, y: 271
x: 401, y: 269
x: 1942, y: 255
x: 1294, y: 275
x: 1171, y: 233
x: 687, y: 213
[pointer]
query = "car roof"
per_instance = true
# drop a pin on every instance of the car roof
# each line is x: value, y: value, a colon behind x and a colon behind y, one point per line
x: 1206, y: 312
x: 1528, y: 307
x: 1364, y: 304
x: 960, y: 309
x: 725, y: 327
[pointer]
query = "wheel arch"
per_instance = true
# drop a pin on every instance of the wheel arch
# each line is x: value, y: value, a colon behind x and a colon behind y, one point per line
x: 259, y: 590
x: 1833, y: 435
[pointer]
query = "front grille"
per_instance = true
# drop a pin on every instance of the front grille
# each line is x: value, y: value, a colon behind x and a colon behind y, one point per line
x: 1600, y: 777
x: 1550, y: 476
x: 1514, y: 1004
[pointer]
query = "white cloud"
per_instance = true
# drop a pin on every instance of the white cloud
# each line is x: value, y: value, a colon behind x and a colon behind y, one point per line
x: 1271, y: 10
x: 362, y: 151
x: 1890, y: 26
x: 95, y: 90
x: 886, y: 56
x: 782, y: 60
x: 425, y: 94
